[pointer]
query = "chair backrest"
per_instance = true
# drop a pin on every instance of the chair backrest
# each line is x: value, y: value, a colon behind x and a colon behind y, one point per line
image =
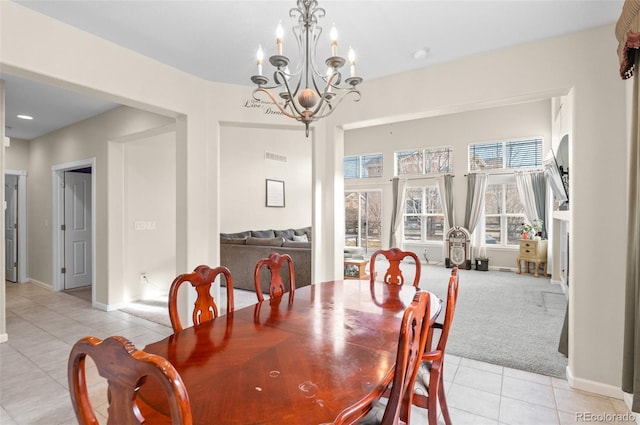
x: 394, y: 275
x: 205, y: 307
x: 411, y: 345
x: 452, y: 299
x: 126, y: 370
x: 276, y: 285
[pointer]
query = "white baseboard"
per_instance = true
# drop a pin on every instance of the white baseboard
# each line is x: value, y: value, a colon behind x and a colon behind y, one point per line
x: 594, y: 387
x: 108, y: 307
x: 628, y: 399
x: 41, y: 284
x: 4, y: 338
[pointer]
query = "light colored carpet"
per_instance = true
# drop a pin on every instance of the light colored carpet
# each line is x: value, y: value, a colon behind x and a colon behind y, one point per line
x: 504, y: 318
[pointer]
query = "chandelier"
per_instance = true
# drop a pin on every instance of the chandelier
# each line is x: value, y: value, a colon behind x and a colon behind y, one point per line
x: 307, y: 94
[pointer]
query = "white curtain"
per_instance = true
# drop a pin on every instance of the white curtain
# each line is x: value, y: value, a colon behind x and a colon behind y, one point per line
x: 527, y: 196
x: 476, y: 188
x: 398, y: 186
x: 445, y: 184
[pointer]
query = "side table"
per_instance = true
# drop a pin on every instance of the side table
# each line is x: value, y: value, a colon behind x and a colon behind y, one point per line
x: 355, y: 269
x: 533, y: 251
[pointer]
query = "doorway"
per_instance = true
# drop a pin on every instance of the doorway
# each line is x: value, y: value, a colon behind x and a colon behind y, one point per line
x: 74, y: 226
x: 11, y: 227
x: 15, y: 225
x: 363, y: 219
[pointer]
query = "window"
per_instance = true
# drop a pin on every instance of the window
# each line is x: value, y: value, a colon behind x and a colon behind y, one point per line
x: 424, y: 161
x: 423, y: 217
x: 363, y: 166
x: 504, y: 214
x: 363, y: 219
x: 514, y: 154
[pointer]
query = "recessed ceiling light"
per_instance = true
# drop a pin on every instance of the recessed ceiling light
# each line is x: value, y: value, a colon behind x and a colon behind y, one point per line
x: 25, y: 117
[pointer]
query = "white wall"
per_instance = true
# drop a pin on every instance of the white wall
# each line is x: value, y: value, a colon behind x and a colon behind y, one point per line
x: 150, y: 215
x: 245, y: 169
x: 522, y: 120
x: 83, y: 140
x: 17, y: 155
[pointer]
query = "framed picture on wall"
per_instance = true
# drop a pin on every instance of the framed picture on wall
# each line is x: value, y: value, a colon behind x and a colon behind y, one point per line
x: 275, y: 193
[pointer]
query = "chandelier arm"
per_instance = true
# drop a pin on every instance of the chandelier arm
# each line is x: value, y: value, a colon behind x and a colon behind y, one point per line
x: 324, y: 101
x: 285, y: 82
x: 275, y: 102
x: 292, y: 96
x: 334, y: 106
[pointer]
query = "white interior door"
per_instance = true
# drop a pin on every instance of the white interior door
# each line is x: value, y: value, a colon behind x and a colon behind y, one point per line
x: 11, y: 227
x: 77, y: 229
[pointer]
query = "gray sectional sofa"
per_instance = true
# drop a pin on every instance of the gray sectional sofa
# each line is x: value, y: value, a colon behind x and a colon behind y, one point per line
x: 240, y: 252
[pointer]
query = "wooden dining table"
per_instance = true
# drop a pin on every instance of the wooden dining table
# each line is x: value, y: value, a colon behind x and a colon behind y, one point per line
x: 289, y: 363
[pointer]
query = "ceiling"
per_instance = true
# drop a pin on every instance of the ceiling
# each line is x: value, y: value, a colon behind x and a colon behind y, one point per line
x: 217, y: 40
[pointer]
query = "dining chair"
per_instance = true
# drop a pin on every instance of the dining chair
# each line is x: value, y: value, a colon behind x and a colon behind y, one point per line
x: 411, y: 344
x: 126, y: 370
x: 277, y: 288
x: 394, y: 275
x: 205, y: 307
x: 429, y: 385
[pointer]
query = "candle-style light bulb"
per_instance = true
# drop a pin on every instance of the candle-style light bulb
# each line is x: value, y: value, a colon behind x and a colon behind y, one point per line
x: 279, y: 35
x: 333, y: 34
x: 259, y: 57
x: 352, y: 62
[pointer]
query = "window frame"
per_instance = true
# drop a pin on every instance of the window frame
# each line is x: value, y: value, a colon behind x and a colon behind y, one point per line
x: 424, y: 151
x: 422, y: 216
x: 502, y: 180
x: 360, y: 160
x: 504, y: 175
x: 505, y: 146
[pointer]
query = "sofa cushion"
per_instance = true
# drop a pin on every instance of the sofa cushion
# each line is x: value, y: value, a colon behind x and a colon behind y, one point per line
x: 304, y: 231
x: 265, y: 241
x: 233, y: 241
x: 296, y: 244
x: 301, y: 238
x: 245, y: 234
x: 263, y: 234
x: 287, y: 234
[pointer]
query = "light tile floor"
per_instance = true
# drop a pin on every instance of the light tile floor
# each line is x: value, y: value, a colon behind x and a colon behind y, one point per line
x: 43, y: 325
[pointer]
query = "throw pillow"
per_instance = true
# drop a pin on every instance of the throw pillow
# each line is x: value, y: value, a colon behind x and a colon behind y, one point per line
x: 304, y: 231
x: 301, y: 238
x: 263, y: 234
x: 287, y: 234
x: 265, y: 241
x: 296, y: 244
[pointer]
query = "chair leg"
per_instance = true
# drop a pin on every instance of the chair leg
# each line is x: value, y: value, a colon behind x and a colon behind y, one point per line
x: 432, y: 402
x: 443, y: 402
x: 432, y: 410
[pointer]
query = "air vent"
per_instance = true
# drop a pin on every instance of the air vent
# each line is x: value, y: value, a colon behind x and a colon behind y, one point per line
x: 275, y: 157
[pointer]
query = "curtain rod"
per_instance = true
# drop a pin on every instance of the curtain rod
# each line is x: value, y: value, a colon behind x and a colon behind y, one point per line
x: 425, y: 177
x: 537, y: 170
